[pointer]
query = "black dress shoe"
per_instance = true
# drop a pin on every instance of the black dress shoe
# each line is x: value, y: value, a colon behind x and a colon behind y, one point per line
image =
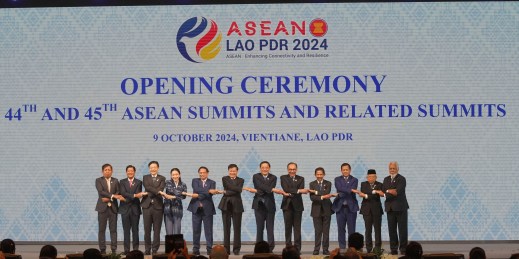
x: 326, y: 252
x: 394, y: 252
x: 103, y: 252
x: 147, y: 252
x: 196, y: 252
x: 236, y: 252
x: 316, y: 252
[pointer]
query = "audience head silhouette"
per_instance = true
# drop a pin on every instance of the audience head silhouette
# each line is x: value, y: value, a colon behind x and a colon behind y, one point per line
x: 261, y: 247
x: 356, y: 240
x: 48, y: 252
x: 477, y: 253
x: 7, y: 246
x: 290, y: 252
x: 92, y: 253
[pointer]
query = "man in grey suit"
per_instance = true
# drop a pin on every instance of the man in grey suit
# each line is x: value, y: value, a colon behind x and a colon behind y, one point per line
x: 106, y: 207
x: 152, y: 207
x: 130, y: 210
x: 292, y: 204
x: 231, y: 206
x: 371, y: 209
x: 321, y: 210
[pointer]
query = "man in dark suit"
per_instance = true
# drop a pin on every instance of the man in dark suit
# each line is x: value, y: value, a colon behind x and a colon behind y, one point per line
x: 232, y: 209
x: 293, y: 186
x: 321, y: 210
x: 371, y: 209
x: 106, y: 207
x: 263, y: 203
x: 130, y: 210
x: 396, y: 206
x: 202, y: 207
x: 152, y: 207
x: 345, y: 205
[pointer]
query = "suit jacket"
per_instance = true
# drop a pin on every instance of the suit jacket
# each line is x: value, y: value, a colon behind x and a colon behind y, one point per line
x: 372, y: 204
x: 102, y: 191
x: 321, y: 207
x: 344, y: 187
x: 291, y: 186
x: 174, y: 207
x: 152, y: 187
x: 131, y: 204
x: 398, y: 202
x: 232, y: 194
x: 204, y: 196
x: 264, y: 192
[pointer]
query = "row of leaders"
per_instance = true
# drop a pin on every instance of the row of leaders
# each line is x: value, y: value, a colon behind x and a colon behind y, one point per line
x: 160, y: 200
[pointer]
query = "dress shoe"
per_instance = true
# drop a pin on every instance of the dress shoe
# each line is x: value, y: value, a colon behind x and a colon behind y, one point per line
x: 114, y: 251
x: 147, y: 252
x: 402, y: 252
x: 236, y: 252
x: 326, y: 252
x: 394, y: 252
x: 196, y: 252
x: 103, y: 252
x: 316, y: 252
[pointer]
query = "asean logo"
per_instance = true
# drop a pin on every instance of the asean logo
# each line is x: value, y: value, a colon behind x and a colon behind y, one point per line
x: 318, y: 27
x: 198, y: 39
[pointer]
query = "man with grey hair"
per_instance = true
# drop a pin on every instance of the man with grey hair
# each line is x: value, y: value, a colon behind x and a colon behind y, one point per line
x: 396, y: 206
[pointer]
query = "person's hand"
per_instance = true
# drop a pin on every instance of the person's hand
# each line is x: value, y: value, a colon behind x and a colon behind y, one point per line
x: 334, y: 252
x: 252, y: 190
x: 106, y: 200
x: 138, y: 195
x: 303, y: 191
x: 326, y: 196
x: 392, y: 192
x: 194, y: 195
x: 355, y: 191
x: 361, y: 194
x: 379, y: 192
x: 278, y: 191
x: 213, y: 191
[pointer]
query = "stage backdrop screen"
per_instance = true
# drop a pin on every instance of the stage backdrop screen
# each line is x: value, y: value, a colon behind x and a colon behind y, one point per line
x: 430, y: 85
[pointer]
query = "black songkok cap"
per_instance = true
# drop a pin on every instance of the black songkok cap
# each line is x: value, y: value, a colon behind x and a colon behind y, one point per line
x: 372, y: 171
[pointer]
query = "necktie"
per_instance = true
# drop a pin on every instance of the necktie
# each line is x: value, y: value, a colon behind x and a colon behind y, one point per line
x: 203, y: 184
x: 108, y: 183
x: 131, y: 183
x: 320, y: 186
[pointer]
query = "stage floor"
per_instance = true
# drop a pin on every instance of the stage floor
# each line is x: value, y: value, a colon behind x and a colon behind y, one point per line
x: 494, y: 249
